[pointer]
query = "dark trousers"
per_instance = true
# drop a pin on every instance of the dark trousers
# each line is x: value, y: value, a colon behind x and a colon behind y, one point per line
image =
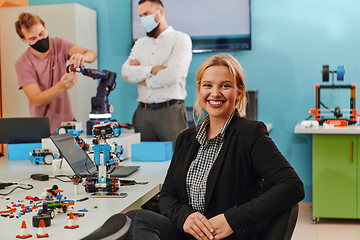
x: 162, y: 124
x: 149, y: 225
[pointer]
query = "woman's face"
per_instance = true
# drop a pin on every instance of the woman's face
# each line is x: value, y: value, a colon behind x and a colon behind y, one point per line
x: 217, y: 92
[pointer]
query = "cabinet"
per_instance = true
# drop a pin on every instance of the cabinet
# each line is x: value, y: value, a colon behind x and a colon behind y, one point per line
x: 336, y: 185
x: 73, y: 21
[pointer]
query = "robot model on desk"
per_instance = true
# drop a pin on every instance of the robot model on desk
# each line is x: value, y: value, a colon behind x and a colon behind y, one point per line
x: 105, y: 156
x: 74, y: 127
x: 100, y: 108
x: 40, y: 155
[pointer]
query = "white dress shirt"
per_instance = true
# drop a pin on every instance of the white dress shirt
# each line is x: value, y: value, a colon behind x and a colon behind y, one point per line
x: 172, y: 49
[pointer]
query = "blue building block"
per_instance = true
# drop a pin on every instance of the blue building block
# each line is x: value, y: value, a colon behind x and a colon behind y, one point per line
x: 20, y: 151
x: 151, y: 151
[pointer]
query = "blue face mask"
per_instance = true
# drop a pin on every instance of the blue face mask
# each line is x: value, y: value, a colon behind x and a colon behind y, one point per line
x: 149, y: 23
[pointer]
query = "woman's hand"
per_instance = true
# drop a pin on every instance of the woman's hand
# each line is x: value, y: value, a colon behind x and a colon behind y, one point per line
x: 222, y: 228
x: 198, y: 226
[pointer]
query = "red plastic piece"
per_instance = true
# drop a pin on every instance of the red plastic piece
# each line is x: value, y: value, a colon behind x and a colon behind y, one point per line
x: 337, y: 123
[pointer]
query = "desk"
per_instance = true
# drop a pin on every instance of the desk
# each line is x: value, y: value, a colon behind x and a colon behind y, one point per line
x: 336, y: 169
x: 20, y: 171
x: 349, y: 130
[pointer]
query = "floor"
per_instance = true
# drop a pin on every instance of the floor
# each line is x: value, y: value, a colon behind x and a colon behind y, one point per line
x: 326, y: 229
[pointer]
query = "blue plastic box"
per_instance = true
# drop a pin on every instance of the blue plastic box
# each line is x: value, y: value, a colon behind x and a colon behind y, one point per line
x: 20, y: 151
x: 151, y: 151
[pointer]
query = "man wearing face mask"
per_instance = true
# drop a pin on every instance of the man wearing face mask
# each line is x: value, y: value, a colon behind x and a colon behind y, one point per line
x: 159, y: 64
x: 41, y: 70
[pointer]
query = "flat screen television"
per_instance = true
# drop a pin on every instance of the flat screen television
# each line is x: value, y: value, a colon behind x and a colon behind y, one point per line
x: 213, y: 25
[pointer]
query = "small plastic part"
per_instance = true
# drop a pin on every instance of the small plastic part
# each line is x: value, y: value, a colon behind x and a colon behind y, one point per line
x: 4, y: 185
x: 46, y: 218
x: 41, y: 232
x: 23, y: 231
x: 337, y: 122
x: 71, y: 222
x: 325, y: 73
x: 340, y: 73
x: 40, y: 177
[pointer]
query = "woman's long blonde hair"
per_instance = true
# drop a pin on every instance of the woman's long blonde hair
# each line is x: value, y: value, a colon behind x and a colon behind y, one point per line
x: 237, y: 76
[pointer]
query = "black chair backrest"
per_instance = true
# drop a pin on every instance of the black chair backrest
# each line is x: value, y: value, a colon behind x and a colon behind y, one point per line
x: 281, y: 226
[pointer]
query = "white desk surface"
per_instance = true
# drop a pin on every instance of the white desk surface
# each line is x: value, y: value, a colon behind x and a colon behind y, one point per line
x: 351, y: 129
x: 20, y: 171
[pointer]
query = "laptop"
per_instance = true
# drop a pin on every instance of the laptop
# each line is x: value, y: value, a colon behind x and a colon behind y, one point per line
x: 24, y: 129
x: 80, y: 162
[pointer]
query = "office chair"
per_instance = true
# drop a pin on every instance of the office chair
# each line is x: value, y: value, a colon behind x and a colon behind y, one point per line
x: 115, y: 228
x: 281, y: 226
x: 189, y: 116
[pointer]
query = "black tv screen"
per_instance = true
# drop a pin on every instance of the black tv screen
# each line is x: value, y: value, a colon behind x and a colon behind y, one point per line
x: 213, y: 25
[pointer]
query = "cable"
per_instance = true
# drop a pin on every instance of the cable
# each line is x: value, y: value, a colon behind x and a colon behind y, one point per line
x: 325, y: 107
x: 58, y: 177
x: 18, y: 186
x: 309, y: 117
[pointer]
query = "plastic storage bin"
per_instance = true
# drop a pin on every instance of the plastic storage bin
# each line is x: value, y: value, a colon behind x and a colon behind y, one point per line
x: 151, y: 151
x: 20, y: 151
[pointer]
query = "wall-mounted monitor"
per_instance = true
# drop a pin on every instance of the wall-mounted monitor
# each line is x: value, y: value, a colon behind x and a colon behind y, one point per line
x: 213, y: 25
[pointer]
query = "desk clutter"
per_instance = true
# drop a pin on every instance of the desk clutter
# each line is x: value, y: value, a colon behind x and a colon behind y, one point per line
x: 52, y: 203
x: 45, y: 208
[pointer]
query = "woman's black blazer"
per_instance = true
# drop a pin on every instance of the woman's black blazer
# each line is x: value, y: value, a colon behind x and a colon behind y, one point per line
x: 247, y: 156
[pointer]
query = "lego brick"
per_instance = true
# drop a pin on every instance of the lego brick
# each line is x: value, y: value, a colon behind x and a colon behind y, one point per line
x: 151, y: 151
x: 20, y: 151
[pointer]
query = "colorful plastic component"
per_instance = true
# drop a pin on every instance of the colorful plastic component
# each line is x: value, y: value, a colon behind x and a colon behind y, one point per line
x: 71, y: 222
x: 23, y: 231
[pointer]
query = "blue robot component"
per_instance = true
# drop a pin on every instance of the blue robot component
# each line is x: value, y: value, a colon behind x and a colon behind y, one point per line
x: 75, y: 133
x: 40, y: 155
x: 74, y: 127
x: 118, y: 130
x: 340, y: 73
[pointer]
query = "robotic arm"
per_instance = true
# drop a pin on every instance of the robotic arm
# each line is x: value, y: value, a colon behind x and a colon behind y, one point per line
x: 99, y: 103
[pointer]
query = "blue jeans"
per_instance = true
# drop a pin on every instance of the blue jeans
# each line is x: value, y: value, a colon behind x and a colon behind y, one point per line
x: 152, y: 226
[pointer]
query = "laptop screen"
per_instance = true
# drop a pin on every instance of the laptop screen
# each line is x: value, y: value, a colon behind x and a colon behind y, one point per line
x: 77, y: 159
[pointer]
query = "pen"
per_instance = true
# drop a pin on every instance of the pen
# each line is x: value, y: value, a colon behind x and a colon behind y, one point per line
x: 83, y: 199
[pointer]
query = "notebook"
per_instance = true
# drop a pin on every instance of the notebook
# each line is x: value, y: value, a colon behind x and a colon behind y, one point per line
x: 24, y: 129
x: 80, y: 162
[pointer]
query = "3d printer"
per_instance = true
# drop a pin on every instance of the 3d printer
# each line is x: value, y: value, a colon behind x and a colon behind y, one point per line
x: 329, y: 116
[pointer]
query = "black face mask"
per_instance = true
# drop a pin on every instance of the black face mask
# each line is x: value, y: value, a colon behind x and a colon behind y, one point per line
x: 41, y: 45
